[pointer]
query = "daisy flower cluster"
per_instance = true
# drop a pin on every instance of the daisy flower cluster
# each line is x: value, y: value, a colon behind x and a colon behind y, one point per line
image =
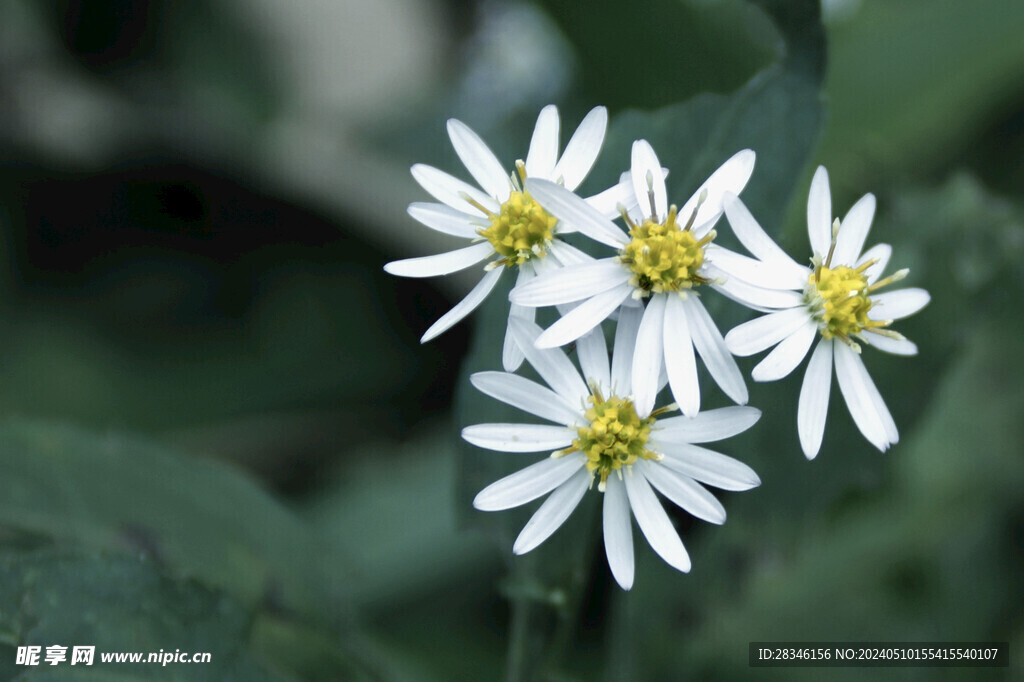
x: 604, y: 430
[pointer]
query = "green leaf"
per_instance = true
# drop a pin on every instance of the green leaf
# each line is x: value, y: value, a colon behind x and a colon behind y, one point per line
x: 665, y: 50
x: 297, y: 350
x: 396, y: 551
x: 198, y: 518
x: 778, y: 114
x: 912, y: 82
x: 118, y: 605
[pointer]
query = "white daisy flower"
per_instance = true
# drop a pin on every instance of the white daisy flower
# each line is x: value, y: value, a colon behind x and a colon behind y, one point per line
x: 507, y: 228
x: 600, y: 434
x: 666, y: 256
x: 837, y: 298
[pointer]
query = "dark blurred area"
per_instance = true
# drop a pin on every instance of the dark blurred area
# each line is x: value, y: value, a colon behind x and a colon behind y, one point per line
x: 111, y: 36
x: 220, y: 304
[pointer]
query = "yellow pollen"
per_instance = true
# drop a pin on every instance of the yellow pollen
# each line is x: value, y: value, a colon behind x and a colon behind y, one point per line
x: 838, y: 298
x: 614, y: 437
x: 520, y: 231
x: 663, y: 256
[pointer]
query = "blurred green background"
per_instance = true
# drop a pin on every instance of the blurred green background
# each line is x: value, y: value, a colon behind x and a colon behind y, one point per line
x: 218, y: 430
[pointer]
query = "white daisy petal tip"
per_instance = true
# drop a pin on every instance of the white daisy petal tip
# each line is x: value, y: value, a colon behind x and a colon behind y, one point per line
x: 745, y: 159
x: 543, y: 151
x: 820, y: 179
x: 732, y: 176
x: 648, y: 184
x: 464, y: 307
x: 863, y: 400
x: 812, y: 407
x: 582, y: 149
x: 554, y: 512
x: 618, y: 533
x: 819, y: 211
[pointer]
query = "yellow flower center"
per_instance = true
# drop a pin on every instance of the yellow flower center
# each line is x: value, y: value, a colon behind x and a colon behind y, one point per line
x: 521, y: 230
x: 614, y: 436
x: 838, y: 297
x: 663, y: 256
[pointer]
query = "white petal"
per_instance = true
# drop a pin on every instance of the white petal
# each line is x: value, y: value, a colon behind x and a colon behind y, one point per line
x: 684, y: 492
x: 648, y: 183
x: 755, y: 272
x: 607, y: 202
x: 819, y: 213
x: 708, y: 426
x: 731, y: 177
x: 571, y: 283
x: 553, y: 513
x: 569, y: 208
x: 446, y: 219
x: 891, y: 432
x: 527, y: 484
x: 622, y: 352
x: 863, y: 400
x: 662, y: 378
x: 888, y: 345
x: 707, y: 466
x: 711, y: 347
x: 519, y: 437
x: 540, y: 160
x: 883, y: 252
x: 751, y: 296
x: 592, y: 351
x: 787, y: 355
x: 567, y: 254
x: 680, y: 362
x: 552, y: 365
x: 655, y: 524
x: 761, y: 332
x: 582, y: 149
x: 528, y: 396
x: 464, y: 307
x: 893, y: 305
x: 759, y: 243
x: 479, y: 160
x: 449, y: 190
x: 618, y: 533
x: 647, y: 356
x: 854, y: 230
x: 584, y: 317
x: 511, y: 355
x: 813, y: 405
x: 442, y: 263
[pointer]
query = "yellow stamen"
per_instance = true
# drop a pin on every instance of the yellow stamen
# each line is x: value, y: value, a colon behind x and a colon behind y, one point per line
x: 614, y: 437
x: 832, y: 245
x: 521, y: 169
x: 894, y: 277
x: 664, y: 257
x: 474, y: 203
x: 521, y: 230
